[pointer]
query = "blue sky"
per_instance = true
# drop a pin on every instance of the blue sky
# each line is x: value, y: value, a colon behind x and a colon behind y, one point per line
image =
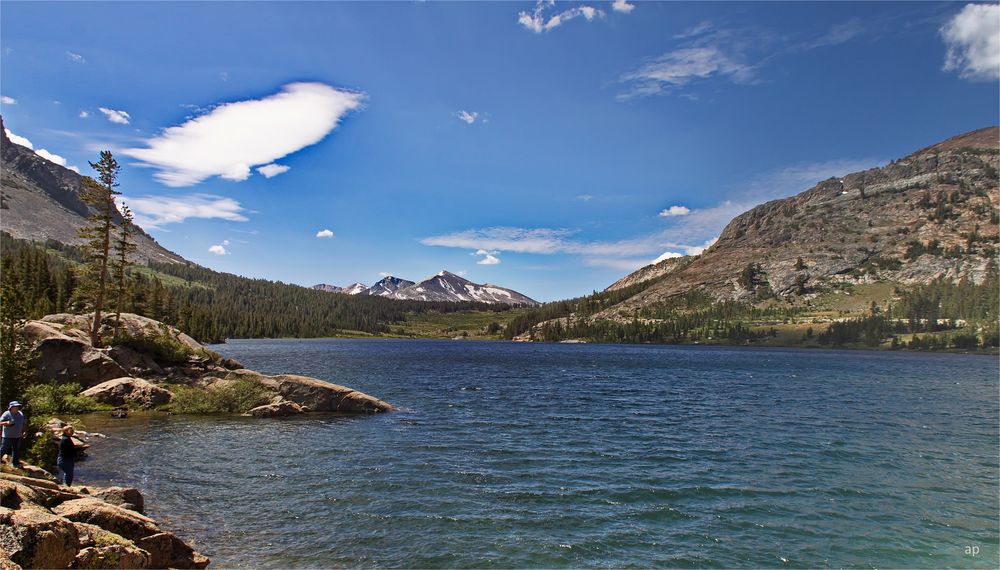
x: 547, y: 148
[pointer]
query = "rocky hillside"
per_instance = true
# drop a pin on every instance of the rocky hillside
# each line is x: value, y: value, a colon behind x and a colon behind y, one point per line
x: 931, y: 214
x: 40, y: 200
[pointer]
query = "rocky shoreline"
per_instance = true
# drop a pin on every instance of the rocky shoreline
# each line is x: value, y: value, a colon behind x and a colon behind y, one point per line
x: 140, y: 370
x: 47, y: 525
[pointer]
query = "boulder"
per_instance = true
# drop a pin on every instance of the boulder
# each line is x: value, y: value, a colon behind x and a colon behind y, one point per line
x: 69, y: 359
x: 123, y: 522
x: 113, y: 556
x: 134, y: 361
x: 15, y: 495
x: 316, y: 395
x: 33, y: 538
x: 277, y: 409
x: 168, y: 551
x: 128, y: 391
x: 126, y: 497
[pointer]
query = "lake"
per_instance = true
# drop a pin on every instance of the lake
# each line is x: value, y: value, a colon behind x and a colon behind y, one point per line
x: 554, y: 455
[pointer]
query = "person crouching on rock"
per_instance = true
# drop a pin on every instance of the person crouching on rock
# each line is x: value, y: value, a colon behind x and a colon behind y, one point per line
x: 13, y: 430
x: 67, y: 455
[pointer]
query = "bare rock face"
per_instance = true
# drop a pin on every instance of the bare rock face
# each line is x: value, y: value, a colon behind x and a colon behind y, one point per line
x: 34, y: 538
x: 118, y: 520
x: 316, y: 395
x: 128, y: 391
x: 68, y: 358
x: 168, y: 551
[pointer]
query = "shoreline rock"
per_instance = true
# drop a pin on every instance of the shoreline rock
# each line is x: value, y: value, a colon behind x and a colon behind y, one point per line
x: 152, y: 353
x: 47, y: 525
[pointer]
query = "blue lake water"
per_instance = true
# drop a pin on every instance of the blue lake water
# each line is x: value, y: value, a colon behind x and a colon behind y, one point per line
x: 548, y: 455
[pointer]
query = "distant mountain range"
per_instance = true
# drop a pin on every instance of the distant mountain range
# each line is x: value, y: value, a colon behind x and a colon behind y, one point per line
x: 444, y: 286
x: 40, y: 200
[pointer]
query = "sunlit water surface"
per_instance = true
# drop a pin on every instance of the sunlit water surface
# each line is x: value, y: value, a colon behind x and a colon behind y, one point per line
x: 547, y: 455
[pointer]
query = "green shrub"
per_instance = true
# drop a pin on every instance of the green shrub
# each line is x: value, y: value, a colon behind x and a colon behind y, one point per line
x: 54, y: 399
x: 161, y: 345
x: 235, y: 397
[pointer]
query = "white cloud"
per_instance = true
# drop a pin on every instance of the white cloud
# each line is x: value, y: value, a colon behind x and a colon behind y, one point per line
x: 622, y: 6
x: 8, y: 100
x: 75, y: 57
x: 157, y: 211
x: 51, y: 157
x: 675, y: 211
x: 234, y: 137
x: 118, y: 117
x: 489, y: 260
x: 16, y: 139
x: 468, y: 117
x: 683, y: 66
x: 973, y: 41
x: 537, y: 22
x: 272, y: 170
x: 84, y: 114
x: 584, y: 197
x: 384, y: 274
x: 324, y: 234
x: 218, y: 250
x: 668, y: 255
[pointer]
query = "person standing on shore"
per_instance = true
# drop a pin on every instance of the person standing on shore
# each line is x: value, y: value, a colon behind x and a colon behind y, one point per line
x: 13, y: 430
x: 67, y: 455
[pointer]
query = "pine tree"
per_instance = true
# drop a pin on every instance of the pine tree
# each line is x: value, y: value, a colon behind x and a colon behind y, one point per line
x: 17, y: 367
x: 124, y: 246
x: 100, y: 195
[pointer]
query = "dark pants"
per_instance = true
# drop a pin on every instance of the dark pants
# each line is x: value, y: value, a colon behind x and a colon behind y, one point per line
x: 66, y: 466
x: 11, y: 446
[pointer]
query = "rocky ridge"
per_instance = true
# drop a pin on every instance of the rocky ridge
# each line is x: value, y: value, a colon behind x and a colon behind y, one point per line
x: 443, y: 286
x: 40, y: 200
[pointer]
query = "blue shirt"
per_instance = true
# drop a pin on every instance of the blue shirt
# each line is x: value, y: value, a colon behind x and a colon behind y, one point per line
x: 16, y: 430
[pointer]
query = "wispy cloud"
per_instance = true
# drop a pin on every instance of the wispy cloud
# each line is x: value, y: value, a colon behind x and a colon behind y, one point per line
x: 973, y: 41
x: 8, y: 100
x: 83, y: 114
x: 538, y: 21
x: 118, y: 117
x: 709, y: 52
x: 272, y: 170
x: 153, y: 212
x: 487, y: 257
x: 675, y: 211
x: 324, y: 234
x: 688, y: 234
x: 584, y: 197
x: 467, y: 117
x: 232, y: 138
x: 75, y: 57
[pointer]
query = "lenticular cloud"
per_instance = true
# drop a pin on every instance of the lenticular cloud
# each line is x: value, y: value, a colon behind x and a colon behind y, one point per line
x: 234, y: 138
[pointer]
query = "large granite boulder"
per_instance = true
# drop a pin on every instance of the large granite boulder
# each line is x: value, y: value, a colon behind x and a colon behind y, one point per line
x: 316, y: 395
x: 168, y: 551
x: 68, y: 357
x: 128, y: 391
x: 102, y: 549
x: 33, y: 538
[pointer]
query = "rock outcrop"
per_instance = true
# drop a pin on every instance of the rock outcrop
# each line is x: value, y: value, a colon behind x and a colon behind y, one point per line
x: 134, y: 392
x: 127, y: 374
x: 45, y: 525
